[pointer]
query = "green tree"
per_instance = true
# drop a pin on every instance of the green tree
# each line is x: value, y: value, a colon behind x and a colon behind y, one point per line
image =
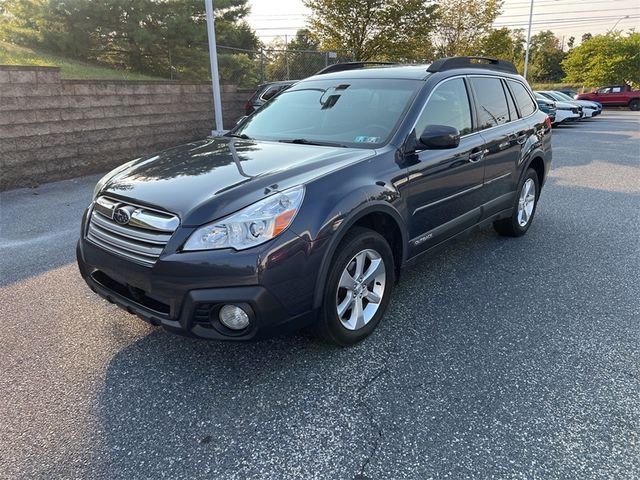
x: 300, y: 58
x: 571, y: 42
x: 374, y: 29
x: 463, y: 25
x: 504, y: 44
x: 605, y: 59
x: 545, y: 57
x: 150, y: 36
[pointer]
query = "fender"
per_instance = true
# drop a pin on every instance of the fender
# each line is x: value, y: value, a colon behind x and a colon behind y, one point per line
x: 374, y: 206
x: 528, y: 159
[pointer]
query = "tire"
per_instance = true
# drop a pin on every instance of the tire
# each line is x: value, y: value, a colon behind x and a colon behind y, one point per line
x: 634, y: 105
x: 370, y: 248
x: 524, y: 207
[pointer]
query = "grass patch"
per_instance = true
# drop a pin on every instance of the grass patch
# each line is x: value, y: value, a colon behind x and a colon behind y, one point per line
x: 11, y: 54
x: 561, y: 86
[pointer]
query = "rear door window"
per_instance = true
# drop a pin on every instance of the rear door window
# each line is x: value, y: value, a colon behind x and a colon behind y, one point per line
x: 491, y: 102
x: 523, y: 99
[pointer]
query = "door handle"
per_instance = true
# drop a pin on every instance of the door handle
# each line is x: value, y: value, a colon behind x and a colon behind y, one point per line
x: 477, y: 155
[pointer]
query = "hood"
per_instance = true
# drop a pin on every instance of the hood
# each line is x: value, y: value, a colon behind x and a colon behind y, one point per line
x: 205, y: 180
x: 546, y: 103
x: 586, y: 103
x: 565, y: 105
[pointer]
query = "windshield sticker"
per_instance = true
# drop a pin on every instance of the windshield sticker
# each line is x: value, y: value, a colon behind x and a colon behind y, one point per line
x: 365, y: 139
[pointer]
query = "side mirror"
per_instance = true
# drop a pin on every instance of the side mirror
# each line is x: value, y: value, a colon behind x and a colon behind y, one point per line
x: 440, y: 137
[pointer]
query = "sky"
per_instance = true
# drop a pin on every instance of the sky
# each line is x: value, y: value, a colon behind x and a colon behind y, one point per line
x: 276, y: 18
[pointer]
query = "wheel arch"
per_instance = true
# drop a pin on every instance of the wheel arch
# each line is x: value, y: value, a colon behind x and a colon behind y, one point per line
x: 375, y: 215
x: 537, y: 163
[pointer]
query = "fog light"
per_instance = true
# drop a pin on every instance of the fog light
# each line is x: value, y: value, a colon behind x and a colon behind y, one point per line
x: 233, y: 317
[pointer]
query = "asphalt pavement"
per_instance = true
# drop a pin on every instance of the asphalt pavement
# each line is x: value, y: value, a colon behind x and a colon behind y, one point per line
x: 499, y: 358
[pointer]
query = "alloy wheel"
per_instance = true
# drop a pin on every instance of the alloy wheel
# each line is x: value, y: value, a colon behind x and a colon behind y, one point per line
x: 360, y: 289
x: 526, y: 202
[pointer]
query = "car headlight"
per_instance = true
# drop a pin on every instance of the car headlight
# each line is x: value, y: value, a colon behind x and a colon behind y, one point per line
x: 251, y: 226
x: 102, y: 182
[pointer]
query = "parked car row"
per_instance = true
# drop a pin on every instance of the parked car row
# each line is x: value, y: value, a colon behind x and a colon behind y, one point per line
x: 561, y: 108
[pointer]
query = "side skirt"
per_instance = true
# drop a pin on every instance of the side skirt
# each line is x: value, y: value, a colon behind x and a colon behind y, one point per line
x: 458, y: 236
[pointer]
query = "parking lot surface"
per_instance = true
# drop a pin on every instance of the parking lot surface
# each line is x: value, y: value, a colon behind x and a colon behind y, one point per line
x: 498, y: 358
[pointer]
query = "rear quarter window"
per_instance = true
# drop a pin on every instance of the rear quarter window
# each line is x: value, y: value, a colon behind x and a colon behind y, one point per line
x: 525, y: 103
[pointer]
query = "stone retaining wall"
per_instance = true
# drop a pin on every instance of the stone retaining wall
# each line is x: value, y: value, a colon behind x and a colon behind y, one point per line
x: 51, y: 129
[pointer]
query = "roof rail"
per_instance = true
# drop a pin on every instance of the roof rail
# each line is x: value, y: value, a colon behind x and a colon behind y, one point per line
x: 341, y: 67
x: 467, y: 62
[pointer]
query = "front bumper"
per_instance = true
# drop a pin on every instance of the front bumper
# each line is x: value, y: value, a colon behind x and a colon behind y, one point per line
x: 565, y: 116
x: 183, y: 292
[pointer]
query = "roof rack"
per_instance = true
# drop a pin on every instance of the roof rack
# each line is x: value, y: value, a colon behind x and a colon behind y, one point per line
x: 341, y: 67
x: 468, y: 62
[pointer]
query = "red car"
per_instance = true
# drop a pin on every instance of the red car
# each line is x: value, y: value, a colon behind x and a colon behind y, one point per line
x: 614, y: 96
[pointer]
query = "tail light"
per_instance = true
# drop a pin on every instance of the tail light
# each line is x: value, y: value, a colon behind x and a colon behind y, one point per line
x: 547, y: 122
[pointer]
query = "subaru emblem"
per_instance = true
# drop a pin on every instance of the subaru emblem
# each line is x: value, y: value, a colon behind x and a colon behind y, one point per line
x: 122, y: 215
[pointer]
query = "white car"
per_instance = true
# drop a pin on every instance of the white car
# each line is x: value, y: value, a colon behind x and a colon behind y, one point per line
x: 565, y: 112
x: 590, y: 109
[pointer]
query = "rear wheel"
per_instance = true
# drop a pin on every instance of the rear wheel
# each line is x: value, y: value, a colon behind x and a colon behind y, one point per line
x: 524, y: 208
x: 358, y: 288
x: 634, y: 105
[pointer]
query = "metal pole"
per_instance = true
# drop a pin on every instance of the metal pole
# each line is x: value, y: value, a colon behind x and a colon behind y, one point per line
x: 616, y: 24
x: 261, y: 65
x: 286, y: 54
x: 215, y: 80
x: 526, y: 56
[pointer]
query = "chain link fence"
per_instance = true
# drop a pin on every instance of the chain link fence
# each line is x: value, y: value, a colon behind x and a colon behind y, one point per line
x: 248, y: 68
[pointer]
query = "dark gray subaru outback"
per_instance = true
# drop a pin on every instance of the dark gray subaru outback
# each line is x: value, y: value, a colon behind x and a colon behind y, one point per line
x: 304, y: 213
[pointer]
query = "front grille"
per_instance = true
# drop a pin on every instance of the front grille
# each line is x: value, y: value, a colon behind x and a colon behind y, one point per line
x: 142, y: 243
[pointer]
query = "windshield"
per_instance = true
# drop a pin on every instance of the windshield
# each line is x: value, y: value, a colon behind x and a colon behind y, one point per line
x: 558, y: 96
x: 563, y: 96
x: 350, y: 112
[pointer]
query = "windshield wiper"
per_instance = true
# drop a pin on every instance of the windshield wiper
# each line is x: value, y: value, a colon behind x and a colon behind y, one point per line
x: 243, y: 136
x: 304, y: 141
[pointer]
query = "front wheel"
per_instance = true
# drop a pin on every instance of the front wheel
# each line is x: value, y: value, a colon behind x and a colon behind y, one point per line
x: 358, y: 288
x: 634, y: 105
x: 524, y: 208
